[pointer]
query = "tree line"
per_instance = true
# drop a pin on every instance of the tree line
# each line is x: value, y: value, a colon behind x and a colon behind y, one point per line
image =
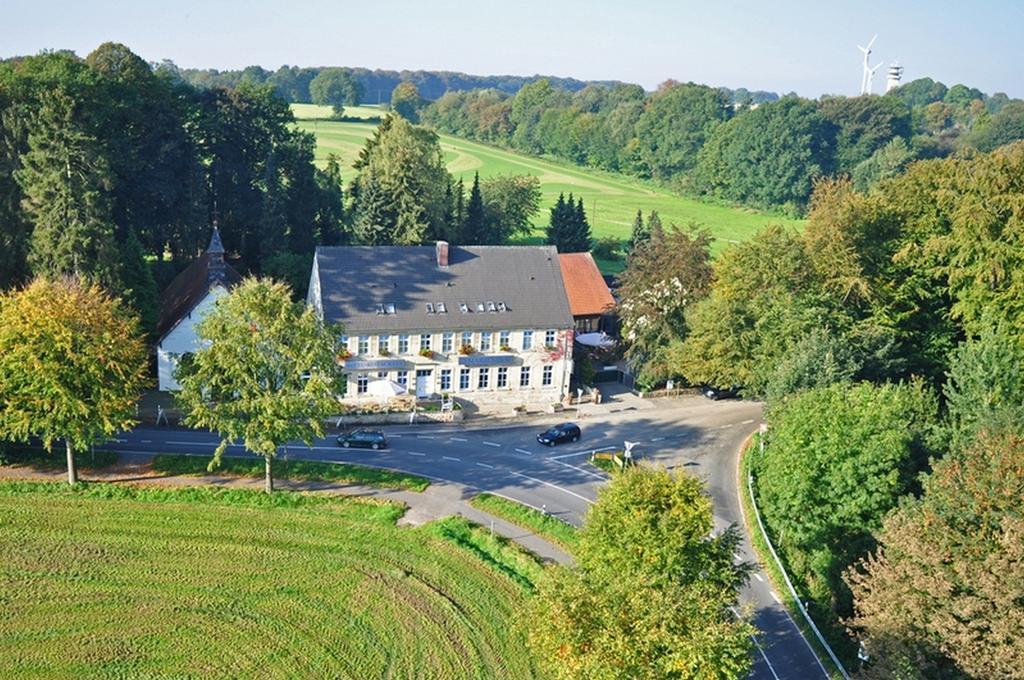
x: 766, y: 153
x: 886, y: 339
x: 116, y: 172
x: 300, y: 84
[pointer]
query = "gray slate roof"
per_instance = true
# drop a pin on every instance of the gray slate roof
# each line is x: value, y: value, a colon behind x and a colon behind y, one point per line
x: 354, y: 280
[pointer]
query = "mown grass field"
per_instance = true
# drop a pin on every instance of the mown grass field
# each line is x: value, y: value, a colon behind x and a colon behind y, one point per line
x: 550, y: 528
x: 113, y: 581
x: 611, y: 202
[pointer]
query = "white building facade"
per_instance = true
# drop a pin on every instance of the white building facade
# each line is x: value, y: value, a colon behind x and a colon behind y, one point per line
x: 186, y: 302
x: 486, y: 324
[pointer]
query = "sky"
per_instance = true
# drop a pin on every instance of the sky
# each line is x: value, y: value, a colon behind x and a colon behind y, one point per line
x: 805, y: 46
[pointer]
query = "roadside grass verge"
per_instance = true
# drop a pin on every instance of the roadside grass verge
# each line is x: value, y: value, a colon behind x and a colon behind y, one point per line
x: 562, y: 534
x: 115, y: 581
x: 296, y: 470
x: 497, y: 551
x: 771, y: 568
x: 40, y: 458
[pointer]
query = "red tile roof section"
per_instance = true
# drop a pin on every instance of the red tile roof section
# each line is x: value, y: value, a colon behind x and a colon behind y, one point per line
x: 587, y: 291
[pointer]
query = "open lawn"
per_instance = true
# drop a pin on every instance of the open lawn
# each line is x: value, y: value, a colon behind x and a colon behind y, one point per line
x: 611, y: 201
x: 117, y: 581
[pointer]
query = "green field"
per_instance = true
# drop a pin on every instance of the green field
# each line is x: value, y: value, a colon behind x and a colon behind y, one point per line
x: 113, y: 581
x: 611, y: 201
x: 313, y: 111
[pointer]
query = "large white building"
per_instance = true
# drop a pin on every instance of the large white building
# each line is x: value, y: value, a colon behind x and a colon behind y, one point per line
x: 185, y: 302
x: 488, y: 324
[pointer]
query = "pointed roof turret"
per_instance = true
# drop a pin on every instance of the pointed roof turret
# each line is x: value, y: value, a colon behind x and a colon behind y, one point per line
x: 215, y: 247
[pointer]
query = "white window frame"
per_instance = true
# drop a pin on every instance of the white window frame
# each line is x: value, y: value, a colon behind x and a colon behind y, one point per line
x: 402, y: 378
x: 383, y: 344
x: 403, y: 344
x: 426, y: 339
x: 362, y: 382
x: 505, y: 339
x: 547, y: 376
x: 485, y: 341
x: 550, y: 338
x: 524, y: 376
x: 465, y: 379
x: 501, y: 381
x: 483, y: 379
x: 527, y: 339
x: 445, y: 380
x: 364, y: 345
x: 447, y: 342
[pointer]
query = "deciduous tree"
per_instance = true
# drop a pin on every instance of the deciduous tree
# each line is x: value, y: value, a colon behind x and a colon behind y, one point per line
x: 651, y: 594
x: 267, y: 373
x: 72, y: 365
x: 941, y: 598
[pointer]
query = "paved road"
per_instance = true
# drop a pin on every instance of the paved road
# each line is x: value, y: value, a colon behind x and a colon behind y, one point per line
x: 698, y: 435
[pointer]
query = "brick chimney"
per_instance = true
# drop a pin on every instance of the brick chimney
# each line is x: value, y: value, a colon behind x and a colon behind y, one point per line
x: 442, y: 253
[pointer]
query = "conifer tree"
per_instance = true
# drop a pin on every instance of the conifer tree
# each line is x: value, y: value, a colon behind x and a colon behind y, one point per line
x: 640, y: 234
x: 473, y: 228
x: 140, y: 289
x: 65, y: 181
x: 654, y: 228
x: 558, y: 222
x: 577, y: 239
x: 374, y: 214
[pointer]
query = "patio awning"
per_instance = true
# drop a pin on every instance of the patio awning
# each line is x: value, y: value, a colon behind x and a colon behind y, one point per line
x: 376, y: 364
x: 490, y: 360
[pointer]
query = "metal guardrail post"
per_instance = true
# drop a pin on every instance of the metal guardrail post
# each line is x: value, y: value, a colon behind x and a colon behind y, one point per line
x: 792, y: 590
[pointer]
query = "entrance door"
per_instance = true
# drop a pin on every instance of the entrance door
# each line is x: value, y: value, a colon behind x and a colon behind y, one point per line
x: 423, y: 383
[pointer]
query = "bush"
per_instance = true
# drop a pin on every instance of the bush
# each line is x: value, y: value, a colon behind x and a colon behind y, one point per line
x: 606, y: 248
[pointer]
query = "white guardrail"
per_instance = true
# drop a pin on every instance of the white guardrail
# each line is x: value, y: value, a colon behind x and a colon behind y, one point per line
x: 789, y: 584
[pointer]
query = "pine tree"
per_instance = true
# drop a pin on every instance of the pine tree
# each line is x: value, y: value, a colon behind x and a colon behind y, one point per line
x: 641, y: 232
x: 557, y: 223
x: 65, y: 180
x: 459, y: 213
x: 473, y: 228
x: 654, y: 229
x: 577, y: 239
x: 140, y: 289
x: 273, y: 221
x: 374, y: 213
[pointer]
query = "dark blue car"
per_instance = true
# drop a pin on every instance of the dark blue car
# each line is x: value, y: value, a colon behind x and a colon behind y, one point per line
x: 566, y: 432
x: 364, y: 439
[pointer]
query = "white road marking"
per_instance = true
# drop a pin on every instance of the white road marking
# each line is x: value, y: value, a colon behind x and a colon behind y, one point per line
x: 528, y: 453
x: 416, y: 453
x: 725, y: 427
x: 579, y: 469
x: 425, y: 436
x: 491, y: 444
x: 776, y: 597
x: 657, y: 439
x: 747, y: 422
x: 570, y: 455
x: 759, y: 648
x: 553, y: 486
x: 395, y: 435
x: 146, y: 441
x: 191, y: 443
x: 450, y: 458
x: 485, y: 465
x: 458, y: 439
x: 758, y: 577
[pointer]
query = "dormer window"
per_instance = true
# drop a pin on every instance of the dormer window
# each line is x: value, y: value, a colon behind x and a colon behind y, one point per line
x: 480, y: 307
x: 442, y: 308
x: 380, y: 309
x: 464, y: 308
x: 490, y: 307
x: 430, y: 308
x: 389, y: 308
x: 502, y: 307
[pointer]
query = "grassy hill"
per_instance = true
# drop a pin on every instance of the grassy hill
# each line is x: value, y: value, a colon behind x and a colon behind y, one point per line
x: 611, y: 201
x: 111, y: 581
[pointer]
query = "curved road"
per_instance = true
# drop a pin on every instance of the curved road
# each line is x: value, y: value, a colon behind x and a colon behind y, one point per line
x: 701, y: 436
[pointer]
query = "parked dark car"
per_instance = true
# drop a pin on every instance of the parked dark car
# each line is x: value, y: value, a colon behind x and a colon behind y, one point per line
x: 716, y: 393
x: 566, y: 432
x: 366, y: 439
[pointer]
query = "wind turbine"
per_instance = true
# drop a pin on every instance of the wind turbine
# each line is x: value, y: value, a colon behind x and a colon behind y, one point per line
x: 865, y: 78
x: 871, y: 76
